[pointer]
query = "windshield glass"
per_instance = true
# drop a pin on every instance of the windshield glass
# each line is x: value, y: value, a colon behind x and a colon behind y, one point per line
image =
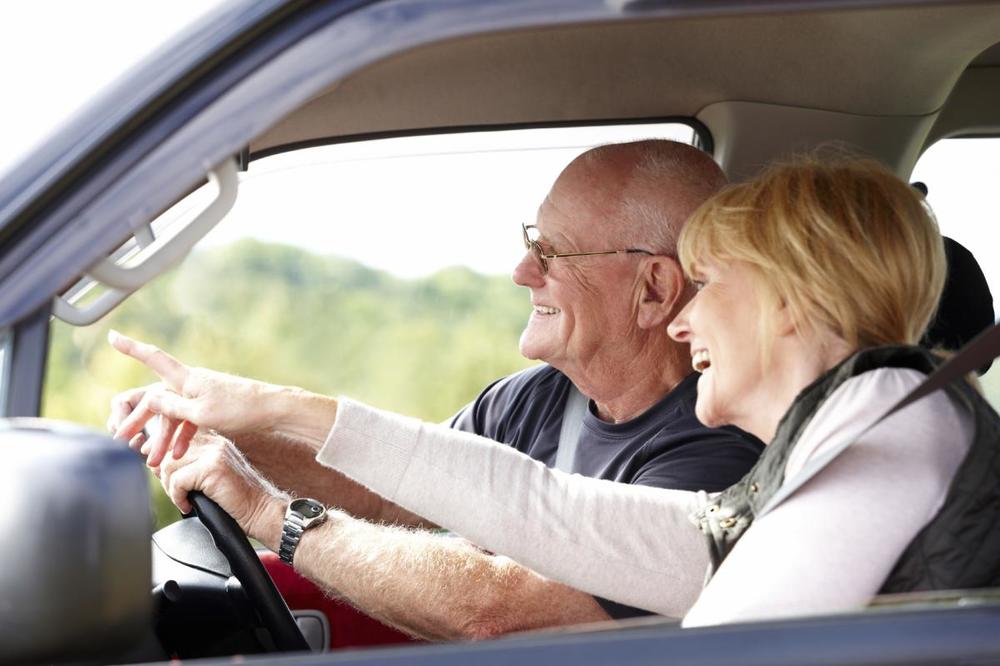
x: 377, y: 269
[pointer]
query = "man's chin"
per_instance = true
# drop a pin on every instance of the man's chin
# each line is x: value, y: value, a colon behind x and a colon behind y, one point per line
x: 531, y: 355
x: 532, y: 350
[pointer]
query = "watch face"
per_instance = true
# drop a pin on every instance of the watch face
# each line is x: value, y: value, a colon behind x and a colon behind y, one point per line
x: 307, y: 507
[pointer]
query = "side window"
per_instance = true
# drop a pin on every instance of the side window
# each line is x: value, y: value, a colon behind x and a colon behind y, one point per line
x: 377, y: 269
x: 962, y: 182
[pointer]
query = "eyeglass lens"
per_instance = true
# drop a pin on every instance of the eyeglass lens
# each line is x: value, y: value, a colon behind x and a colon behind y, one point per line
x: 535, y: 249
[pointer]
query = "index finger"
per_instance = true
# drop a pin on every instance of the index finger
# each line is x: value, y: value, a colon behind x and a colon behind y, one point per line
x: 169, y: 369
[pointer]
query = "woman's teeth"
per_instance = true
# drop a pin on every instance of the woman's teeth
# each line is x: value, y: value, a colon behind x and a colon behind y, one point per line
x: 701, y: 361
x: 546, y: 310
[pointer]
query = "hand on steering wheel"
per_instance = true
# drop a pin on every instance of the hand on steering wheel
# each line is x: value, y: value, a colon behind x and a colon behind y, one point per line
x: 249, y: 570
x: 244, y: 502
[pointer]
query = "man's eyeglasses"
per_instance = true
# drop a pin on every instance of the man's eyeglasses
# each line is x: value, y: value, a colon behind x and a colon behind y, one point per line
x: 532, y: 246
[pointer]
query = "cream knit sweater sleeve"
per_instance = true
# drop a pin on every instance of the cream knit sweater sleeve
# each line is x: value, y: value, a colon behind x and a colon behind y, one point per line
x: 825, y: 548
x: 633, y: 544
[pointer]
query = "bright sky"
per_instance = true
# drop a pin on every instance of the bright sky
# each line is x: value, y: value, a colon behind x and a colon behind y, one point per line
x: 56, y: 54
x: 415, y: 205
x: 425, y: 204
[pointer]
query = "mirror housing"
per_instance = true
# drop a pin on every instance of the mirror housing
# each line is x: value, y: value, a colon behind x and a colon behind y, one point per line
x: 75, y: 527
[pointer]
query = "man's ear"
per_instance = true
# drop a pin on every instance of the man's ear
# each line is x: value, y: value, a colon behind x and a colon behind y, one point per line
x: 662, y: 291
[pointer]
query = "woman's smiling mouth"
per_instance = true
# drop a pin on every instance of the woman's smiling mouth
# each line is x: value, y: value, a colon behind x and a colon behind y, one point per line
x: 700, y: 360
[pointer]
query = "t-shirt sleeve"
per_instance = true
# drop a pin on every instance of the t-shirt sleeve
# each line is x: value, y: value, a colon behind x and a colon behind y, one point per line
x: 463, y: 419
x: 484, y: 416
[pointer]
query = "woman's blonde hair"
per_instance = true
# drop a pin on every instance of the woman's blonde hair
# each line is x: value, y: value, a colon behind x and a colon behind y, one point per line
x: 842, y: 242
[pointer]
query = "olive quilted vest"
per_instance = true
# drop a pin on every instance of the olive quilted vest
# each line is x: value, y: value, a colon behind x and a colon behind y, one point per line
x: 958, y: 549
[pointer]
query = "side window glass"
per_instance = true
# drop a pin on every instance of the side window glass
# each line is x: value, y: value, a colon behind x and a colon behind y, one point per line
x: 377, y: 269
x: 961, y: 178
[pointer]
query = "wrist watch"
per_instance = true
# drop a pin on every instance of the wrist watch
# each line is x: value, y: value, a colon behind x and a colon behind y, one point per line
x: 301, y: 515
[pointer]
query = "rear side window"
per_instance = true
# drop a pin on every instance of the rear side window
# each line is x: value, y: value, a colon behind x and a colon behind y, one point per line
x: 962, y: 183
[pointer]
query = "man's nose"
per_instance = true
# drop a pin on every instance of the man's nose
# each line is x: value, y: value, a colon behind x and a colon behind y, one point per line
x: 679, y: 329
x: 527, y: 272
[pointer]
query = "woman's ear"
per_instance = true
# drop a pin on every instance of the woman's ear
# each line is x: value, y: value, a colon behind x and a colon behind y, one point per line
x: 784, y: 323
x: 662, y: 291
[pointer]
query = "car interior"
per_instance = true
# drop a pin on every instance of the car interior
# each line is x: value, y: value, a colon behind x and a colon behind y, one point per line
x: 756, y: 82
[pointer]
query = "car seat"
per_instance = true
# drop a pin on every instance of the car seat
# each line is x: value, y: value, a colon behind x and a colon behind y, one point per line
x: 348, y: 627
x: 966, y: 307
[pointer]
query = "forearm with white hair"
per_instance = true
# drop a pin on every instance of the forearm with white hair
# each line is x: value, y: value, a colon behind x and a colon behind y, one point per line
x: 435, y: 586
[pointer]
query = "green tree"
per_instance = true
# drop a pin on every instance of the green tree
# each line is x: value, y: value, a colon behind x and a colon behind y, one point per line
x: 423, y: 347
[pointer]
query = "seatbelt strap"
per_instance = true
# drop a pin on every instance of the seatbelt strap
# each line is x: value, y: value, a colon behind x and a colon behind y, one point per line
x: 980, y: 351
x: 983, y: 349
x: 572, y: 423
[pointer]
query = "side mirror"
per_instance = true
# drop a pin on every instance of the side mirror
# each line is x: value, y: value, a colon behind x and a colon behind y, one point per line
x: 75, y: 528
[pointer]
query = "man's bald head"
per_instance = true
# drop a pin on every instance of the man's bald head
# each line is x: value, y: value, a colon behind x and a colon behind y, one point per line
x: 599, y: 313
x: 646, y: 189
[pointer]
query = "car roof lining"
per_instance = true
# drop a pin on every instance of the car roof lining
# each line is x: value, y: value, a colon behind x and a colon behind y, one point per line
x: 663, y: 67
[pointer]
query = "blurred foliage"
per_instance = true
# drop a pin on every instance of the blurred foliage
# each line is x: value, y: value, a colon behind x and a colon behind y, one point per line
x: 422, y: 347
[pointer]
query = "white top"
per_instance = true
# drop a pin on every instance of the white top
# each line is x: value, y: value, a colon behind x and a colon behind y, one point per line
x: 827, y: 547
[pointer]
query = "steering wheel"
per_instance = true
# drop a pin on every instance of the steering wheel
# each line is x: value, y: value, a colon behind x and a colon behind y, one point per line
x: 248, y: 569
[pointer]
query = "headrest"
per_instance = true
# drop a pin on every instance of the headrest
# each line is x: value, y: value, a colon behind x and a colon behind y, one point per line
x: 966, y: 307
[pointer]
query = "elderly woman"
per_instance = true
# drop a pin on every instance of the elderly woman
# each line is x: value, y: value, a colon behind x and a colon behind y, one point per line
x: 814, y: 282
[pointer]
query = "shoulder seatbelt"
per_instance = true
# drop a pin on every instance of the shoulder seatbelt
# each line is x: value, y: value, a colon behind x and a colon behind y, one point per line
x: 569, y: 434
x: 980, y: 351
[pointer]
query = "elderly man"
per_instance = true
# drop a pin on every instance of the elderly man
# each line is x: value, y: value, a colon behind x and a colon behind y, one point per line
x: 604, y: 284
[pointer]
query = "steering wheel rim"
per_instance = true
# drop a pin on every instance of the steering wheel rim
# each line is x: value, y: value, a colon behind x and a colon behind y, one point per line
x: 248, y: 569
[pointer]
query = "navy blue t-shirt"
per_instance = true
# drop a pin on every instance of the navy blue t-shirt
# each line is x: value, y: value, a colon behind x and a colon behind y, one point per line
x: 665, y: 447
